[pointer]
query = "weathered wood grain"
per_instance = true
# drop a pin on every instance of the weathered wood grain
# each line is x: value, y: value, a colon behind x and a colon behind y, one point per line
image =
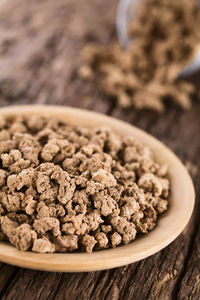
x: 40, y: 48
x: 6, y: 274
x: 190, y: 284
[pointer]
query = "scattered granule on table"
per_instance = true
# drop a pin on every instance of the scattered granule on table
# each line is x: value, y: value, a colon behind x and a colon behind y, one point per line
x: 66, y: 188
x: 165, y: 39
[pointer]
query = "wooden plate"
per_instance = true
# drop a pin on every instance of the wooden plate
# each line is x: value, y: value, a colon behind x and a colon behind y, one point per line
x: 169, y: 226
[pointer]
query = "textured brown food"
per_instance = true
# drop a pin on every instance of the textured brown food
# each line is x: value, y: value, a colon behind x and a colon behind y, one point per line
x: 165, y: 39
x: 66, y: 188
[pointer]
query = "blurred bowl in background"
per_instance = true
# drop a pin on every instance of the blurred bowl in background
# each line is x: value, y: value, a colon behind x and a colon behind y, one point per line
x: 126, y: 12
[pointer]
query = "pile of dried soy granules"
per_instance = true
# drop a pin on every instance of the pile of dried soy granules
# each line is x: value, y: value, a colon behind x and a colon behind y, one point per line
x: 66, y: 188
x: 165, y: 39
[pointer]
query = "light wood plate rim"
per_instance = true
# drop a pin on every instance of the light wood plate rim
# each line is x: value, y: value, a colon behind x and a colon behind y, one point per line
x: 169, y: 226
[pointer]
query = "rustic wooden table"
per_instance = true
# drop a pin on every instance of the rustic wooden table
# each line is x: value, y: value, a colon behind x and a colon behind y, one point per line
x: 40, y: 43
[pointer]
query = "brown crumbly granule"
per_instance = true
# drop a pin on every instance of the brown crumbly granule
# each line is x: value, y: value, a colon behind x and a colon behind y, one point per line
x: 64, y: 188
x: 162, y: 44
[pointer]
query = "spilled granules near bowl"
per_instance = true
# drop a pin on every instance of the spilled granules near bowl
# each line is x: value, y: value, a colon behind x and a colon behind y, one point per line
x: 65, y: 188
x: 164, y: 40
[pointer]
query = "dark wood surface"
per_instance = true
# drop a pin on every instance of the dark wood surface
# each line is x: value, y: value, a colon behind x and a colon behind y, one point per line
x: 40, y: 44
